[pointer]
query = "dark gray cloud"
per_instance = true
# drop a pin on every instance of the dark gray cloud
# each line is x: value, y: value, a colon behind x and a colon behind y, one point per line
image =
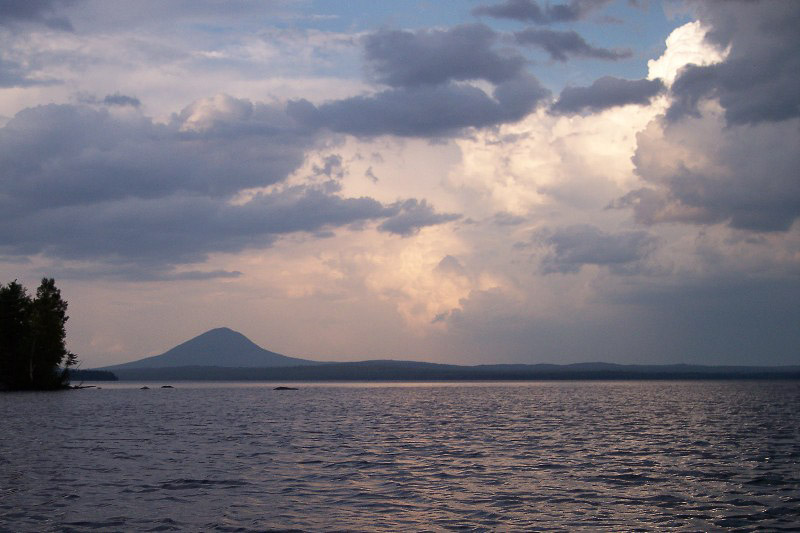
x: 424, y: 69
x: 563, y: 44
x: 412, y: 215
x: 80, y: 183
x: 63, y: 154
x: 331, y: 167
x: 605, y: 93
x: 759, y: 79
x: 111, y: 100
x: 180, y: 229
x: 429, y: 110
x: 573, y: 247
x: 703, y: 198
x: 700, y: 171
x: 12, y: 74
x: 433, y: 56
x: 532, y: 11
x: 121, y: 100
x: 34, y: 12
x: 371, y: 175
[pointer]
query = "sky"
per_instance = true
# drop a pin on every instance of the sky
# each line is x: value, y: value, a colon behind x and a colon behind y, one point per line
x: 487, y: 181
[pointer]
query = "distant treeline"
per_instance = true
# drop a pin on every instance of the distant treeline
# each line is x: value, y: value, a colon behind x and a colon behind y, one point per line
x: 92, y: 375
x: 414, y: 371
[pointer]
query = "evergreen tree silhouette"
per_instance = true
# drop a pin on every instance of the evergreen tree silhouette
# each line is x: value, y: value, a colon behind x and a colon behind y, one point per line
x: 32, y: 337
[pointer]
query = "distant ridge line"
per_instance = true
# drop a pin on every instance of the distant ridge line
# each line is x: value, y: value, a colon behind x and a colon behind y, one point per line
x: 223, y: 354
x: 412, y: 371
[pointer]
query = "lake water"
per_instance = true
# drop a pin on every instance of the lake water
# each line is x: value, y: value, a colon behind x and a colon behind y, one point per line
x: 510, y: 456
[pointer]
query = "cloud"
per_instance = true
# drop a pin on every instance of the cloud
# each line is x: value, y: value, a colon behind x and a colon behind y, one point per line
x: 121, y: 100
x: 573, y: 247
x: 726, y: 151
x: 685, y: 45
x: 412, y: 215
x: 605, y: 93
x: 701, y: 171
x: 426, y: 71
x: 531, y: 11
x: 331, y: 167
x: 425, y: 111
x: 56, y: 155
x: 12, y: 74
x: 84, y: 184
x: 110, y: 100
x: 561, y: 44
x: 34, y: 12
x: 450, y: 266
x: 433, y: 56
x: 175, y: 230
x: 758, y: 80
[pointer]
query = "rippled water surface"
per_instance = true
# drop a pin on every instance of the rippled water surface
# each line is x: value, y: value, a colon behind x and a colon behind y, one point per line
x: 544, y: 456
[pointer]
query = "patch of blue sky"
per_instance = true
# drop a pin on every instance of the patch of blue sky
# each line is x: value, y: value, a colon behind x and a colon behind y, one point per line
x: 366, y: 15
x: 617, y: 26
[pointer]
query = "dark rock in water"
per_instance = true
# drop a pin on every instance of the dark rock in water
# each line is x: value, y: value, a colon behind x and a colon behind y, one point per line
x: 167, y: 387
x: 284, y: 388
x: 145, y: 388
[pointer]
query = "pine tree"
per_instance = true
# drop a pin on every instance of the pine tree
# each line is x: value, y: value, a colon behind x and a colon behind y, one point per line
x: 15, y: 334
x: 32, y: 337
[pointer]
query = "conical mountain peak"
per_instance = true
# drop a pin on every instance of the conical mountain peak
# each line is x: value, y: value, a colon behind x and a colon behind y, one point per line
x: 222, y: 347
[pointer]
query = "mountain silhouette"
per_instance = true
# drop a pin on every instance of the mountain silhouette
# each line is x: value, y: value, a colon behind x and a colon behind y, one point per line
x: 224, y: 354
x: 220, y: 347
